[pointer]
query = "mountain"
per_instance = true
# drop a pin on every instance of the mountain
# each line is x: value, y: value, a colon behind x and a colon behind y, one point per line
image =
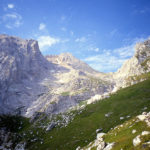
x: 114, y: 116
x: 31, y: 83
x: 38, y: 96
x: 21, y: 66
x: 67, y: 60
x: 137, y: 65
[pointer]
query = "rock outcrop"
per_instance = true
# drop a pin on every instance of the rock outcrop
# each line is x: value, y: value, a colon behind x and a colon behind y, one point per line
x: 137, y: 65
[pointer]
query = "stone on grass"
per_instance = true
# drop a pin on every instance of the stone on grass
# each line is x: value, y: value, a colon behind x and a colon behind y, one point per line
x: 109, y: 146
x: 133, y: 131
x: 136, y: 140
x: 145, y: 133
x: 100, y: 135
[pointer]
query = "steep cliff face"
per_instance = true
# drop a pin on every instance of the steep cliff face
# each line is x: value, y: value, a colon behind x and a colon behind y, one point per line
x: 21, y: 63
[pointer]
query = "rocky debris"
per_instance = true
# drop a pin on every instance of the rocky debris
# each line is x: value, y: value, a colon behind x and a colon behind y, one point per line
x: 20, y: 146
x: 99, y: 144
x: 99, y: 130
x: 7, y: 139
x: 133, y: 131
x: 108, y: 114
x: 145, y: 133
x: 145, y: 117
x: 121, y: 118
x: 97, y: 98
x: 136, y: 140
x: 51, y: 126
x: 109, y: 146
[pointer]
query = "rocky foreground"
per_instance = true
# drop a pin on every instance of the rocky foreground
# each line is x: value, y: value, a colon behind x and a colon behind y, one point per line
x: 137, y: 137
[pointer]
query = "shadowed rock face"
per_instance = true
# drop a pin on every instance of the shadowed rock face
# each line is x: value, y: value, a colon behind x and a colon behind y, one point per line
x: 20, y: 61
x: 33, y: 83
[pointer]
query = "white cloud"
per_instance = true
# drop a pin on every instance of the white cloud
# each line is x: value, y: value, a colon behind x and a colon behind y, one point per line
x: 105, y: 62
x: 111, y: 60
x: 11, y: 6
x: 42, y: 26
x: 47, y: 41
x: 82, y: 39
x: 12, y: 20
x: 93, y: 48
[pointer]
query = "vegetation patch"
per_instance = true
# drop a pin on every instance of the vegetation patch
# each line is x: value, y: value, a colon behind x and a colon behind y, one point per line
x: 65, y: 93
x: 123, y: 135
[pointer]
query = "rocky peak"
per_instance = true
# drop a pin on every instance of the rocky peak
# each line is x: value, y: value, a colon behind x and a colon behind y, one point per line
x: 142, y: 50
x: 21, y: 62
x: 67, y: 59
x: 137, y: 65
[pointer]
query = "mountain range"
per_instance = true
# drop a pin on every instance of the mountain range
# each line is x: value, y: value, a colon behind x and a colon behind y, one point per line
x: 52, y: 90
x: 31, y: 82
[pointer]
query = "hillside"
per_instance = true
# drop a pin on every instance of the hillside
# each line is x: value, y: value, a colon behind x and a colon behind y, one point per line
x: 106, y: 114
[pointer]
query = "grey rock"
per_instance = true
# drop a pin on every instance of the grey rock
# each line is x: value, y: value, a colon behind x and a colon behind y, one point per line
x: 51, y: 126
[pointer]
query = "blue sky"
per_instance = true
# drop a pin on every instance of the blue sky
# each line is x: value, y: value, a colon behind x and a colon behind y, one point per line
x: 100, y: 32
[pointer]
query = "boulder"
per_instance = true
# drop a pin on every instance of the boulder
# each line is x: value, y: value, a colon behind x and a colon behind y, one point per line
x: 136, y: 140
x: 51, y: 126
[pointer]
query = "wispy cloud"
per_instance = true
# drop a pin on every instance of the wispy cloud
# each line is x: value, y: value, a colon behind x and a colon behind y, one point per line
x: 81, y: 39
x: 141, y: 11
x: 42, y: 26
x: 12, y: 20
x: 47, y: 41
x: 11, y: 6
x: 93, y: 48
x: 111, y: 60
x: 105, y: 62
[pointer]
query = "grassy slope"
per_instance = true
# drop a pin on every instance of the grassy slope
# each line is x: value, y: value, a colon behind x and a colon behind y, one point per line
x: 81, y: 131
x: 123, y: 136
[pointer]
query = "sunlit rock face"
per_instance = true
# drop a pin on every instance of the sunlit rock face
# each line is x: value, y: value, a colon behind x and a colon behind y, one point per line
x: 137, y: 65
